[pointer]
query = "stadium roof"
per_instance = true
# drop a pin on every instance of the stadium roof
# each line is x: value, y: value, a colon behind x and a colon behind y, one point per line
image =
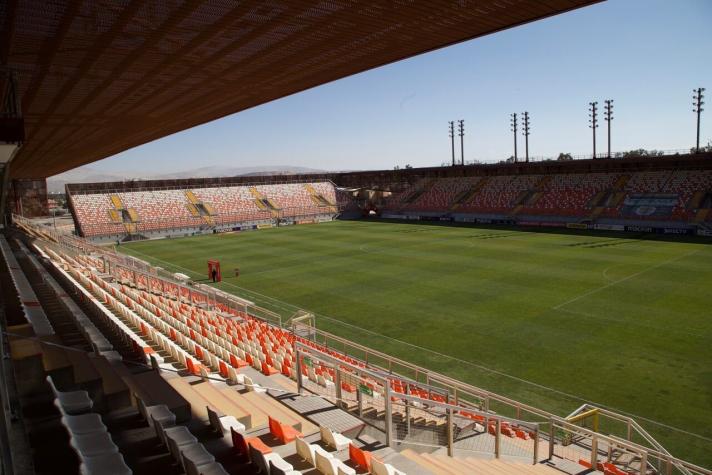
x: 96, y: 78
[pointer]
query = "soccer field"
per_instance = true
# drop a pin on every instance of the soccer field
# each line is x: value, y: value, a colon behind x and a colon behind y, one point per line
x: 623, y: 321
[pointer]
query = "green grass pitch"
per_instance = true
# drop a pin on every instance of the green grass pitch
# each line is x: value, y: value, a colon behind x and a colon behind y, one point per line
x: 620, y: 320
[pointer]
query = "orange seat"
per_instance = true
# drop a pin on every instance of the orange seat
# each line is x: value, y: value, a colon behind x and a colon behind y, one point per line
x: 239, y: 444
x: 361, y: 458
x: 267, y: 370
x: 283, y: 432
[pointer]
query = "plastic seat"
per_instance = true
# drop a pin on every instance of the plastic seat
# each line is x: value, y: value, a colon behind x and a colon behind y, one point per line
x: 380, y: 468
x: 193, y: 456
x: 93, y: 444
x: 263, y: 461
x: 332, y: 466
x: 71, y: 402
x: 83, y: 424
x: 277, y: 469
x: 177, y: 437
x: 334, y: 439
x: 110, y: 464
x: 361, y: 458
x: 223, y: 423
x: 308, y: 451
x: 214, y: 468
x: 283, y: 432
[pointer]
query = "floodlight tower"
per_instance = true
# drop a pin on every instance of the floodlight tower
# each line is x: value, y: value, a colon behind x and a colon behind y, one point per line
x: 608, y: 114
x: 697, y: 108
x: 461, y: 129
x: 593, y: 122
x: 513, y: 124
x: 452, y: 140
x: 525, y: 133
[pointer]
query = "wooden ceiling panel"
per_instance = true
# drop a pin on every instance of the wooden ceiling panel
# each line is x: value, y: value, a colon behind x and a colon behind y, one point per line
x: 99, y: 77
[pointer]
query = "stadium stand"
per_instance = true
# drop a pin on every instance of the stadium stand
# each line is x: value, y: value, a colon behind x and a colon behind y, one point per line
x: 133, y: 345
x: 665, y: 196
x: 121, y: 213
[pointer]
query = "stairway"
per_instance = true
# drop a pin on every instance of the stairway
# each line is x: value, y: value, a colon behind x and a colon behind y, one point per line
x: 191, y: 197
x: 442, y: 464
x: 264, y: 203
x: 199, y: 209
x: 116, y: 201
x: 115, y: 216
x: 316, y: 197
x: 621, y: 182
x: 467, y: 195
x: 193, y: 209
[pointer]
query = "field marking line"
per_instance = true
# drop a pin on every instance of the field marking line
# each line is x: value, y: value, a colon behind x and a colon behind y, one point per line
x: 624, y: 279
x: 605, y: 271
x: 477, y: 365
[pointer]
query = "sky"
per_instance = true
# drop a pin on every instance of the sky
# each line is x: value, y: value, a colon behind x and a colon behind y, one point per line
x: 646, y: 55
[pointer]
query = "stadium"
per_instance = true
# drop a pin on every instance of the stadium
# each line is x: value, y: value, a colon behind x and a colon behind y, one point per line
x: 528, y: 315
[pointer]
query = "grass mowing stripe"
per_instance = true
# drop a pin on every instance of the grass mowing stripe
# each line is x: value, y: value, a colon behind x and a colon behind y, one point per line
x: 488, y: 295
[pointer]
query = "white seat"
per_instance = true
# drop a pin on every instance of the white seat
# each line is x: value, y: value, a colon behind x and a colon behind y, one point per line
x: 71, y: 402
x: 109, y: 464
x: 93, y: 444
x: 222, y: 424
x: 160, y: 413
x: 334, y: 439
x: 276, y: 470
x: 308, y: 451
x: 344, y: 469
x: 177, y: 437
x: 380, y: 468
x: 193, y: 456
x: 83, y: 424
x: 331, y: 466
x: 265, y: 461
x: 214, y: 468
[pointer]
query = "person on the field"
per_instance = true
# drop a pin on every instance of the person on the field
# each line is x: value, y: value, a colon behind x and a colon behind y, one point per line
x: 215, y: 275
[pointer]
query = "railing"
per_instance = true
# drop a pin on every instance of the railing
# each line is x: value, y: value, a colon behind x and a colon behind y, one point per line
x: 599, y: 156
x: 565, y: 440
x: 185, y: 224
x: 582, y: 445
x: 130, y: 186
x: 410, y: 420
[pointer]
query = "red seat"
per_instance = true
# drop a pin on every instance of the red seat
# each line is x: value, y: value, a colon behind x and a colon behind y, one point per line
x: 267, y: 370
x: 283, y: 432
x: 239, y: 444
x: 361, y: 458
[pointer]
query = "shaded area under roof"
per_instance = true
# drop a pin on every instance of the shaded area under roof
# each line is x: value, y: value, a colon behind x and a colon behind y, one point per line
x: 99, y: 77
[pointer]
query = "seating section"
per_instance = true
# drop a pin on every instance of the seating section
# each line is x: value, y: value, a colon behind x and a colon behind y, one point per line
x: 499, y: 193
x: 568, y: 195
x: 100, y: 214
x: 578, y: 195
x: 442, y: 194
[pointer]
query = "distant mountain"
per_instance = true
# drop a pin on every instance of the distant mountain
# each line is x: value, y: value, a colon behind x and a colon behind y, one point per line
x: 88, y: 174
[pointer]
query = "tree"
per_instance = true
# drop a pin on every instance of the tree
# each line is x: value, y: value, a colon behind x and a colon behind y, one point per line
x: 564, y: 157
x: 705, y: 149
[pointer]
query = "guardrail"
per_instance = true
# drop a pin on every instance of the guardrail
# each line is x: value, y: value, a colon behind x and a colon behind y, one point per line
x: 566, y: 440
x: 397, y: 413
